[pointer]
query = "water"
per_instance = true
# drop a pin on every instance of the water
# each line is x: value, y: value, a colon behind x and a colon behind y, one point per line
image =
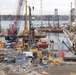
x: 53, y: 36
x: 57, y: 37
x: 5, y: 24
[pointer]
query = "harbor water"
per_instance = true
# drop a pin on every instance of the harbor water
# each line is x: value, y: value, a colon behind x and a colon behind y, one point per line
x: 57, y: 37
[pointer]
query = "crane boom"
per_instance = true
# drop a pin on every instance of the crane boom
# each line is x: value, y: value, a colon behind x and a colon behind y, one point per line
x: 17, y: 17
x: 13, y: 31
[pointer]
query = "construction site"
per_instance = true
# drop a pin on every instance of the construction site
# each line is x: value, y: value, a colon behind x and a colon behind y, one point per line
x: 27, y: 53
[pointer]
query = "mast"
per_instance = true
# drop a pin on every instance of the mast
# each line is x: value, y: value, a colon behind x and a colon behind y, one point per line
x: 26, y: 19
x: 75, y: 12
x: 58, y: 22
x: 71, y: 18
x: 26, y: 25
x: 0, y: 20
x: 29, y: 26
x: 41, y: 13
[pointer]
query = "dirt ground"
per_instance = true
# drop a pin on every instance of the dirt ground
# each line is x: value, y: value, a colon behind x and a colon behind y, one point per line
x: 58, y: 70
x: 66, y: 69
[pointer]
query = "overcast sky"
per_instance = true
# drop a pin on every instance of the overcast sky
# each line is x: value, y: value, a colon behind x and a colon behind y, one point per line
x: 63, y: 6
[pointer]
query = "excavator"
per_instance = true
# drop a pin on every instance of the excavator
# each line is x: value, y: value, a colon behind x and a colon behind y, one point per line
x: 12, y: 35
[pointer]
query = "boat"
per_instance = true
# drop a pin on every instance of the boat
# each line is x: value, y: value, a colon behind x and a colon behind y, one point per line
x: 42, y: 44
x: 53, y: 29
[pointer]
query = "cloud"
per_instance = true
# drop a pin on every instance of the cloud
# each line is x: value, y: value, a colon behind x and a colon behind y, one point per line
x: 10, y: 6
x: 7, y: 12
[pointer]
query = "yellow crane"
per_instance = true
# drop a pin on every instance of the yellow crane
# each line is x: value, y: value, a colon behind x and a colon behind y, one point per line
x: 75, y: 13
x: 26, y: 21
x: 41, y: 12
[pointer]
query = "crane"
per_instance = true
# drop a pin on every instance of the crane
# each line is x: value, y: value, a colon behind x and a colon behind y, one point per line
x: 26, y: 26
x: 41, y: 13
x: 71, y: 18
x: 75, y: 13
x: 14, y: 28
x: 0, y: 22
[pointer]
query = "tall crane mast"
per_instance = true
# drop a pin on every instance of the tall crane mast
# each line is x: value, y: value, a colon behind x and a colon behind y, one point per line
x: 71, y: 18
x: 75, y: 12
x: 0, y: 21
x: 26, y: 22
x: 41, y: 12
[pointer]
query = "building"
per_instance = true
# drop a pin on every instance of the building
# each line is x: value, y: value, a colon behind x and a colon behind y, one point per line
x: 73, y: 14
x: 56, y: 15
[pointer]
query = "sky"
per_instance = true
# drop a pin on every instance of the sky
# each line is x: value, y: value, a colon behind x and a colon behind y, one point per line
x: 63, y: 6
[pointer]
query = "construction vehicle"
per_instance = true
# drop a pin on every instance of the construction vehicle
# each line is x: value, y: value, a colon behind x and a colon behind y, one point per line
x: 70, y: 55
x: 28, y: 34
x: 14, y: 27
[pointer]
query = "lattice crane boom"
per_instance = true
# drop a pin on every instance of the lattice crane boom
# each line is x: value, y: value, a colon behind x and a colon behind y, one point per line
x: 14, y: 26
